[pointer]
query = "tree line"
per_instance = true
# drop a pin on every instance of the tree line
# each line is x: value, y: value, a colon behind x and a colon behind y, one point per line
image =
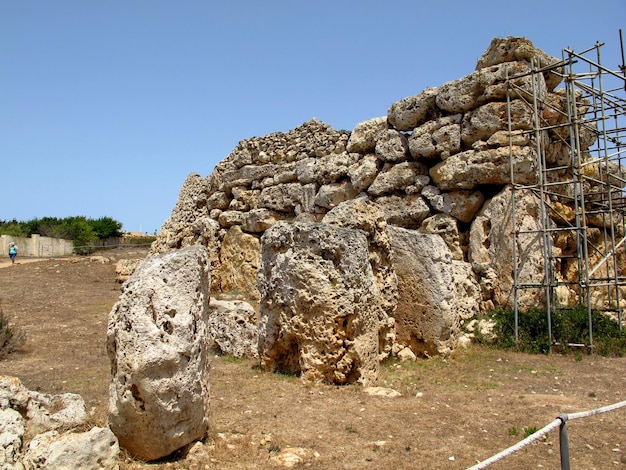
x: 81, y: 230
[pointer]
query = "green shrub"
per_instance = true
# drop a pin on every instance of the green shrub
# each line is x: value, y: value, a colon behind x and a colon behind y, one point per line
x: 11, y: 339
x: 569, y: 326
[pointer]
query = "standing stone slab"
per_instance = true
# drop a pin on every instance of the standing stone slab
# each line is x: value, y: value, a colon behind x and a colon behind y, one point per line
x: 156, y: 341
x: 491, y: 247
x: 435, y: 293
x: 317, y: 296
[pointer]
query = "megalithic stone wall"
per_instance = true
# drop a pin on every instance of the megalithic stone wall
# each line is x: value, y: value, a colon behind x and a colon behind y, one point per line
x: 439, y: 163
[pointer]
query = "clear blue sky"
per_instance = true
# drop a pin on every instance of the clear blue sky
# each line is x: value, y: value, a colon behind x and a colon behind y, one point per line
x: 106, y: 106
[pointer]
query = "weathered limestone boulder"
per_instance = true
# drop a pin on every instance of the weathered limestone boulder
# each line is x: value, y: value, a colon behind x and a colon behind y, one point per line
x: 462, y: 205
x: 447, y: 228
x: 11, y: 434
x: 489, y: 84
x: 472, y: 168
x: 512, y: 49
x: 325, y: 169
x: 363, y: 173
x: 239, y: 260
x: 43, y: 411
x: 362, y: 214
x: 491, y: 245
x: 46, y: 412
x: 483, y: 122
x: 408, y: 211
x: 232, y: 328
x: 365, y: 135
x: 432, y: 302
x: 397, y: 178
x: 25, y: 412
x: 156, y: 341
x: 411, y: 112
x: 283, y: 197
x: 229, y: 218
x: 258, y: 220
x: 437, y: 139
x: 244, y: 200
x: 124, y: 268
x: 91, y: 450
x: 392, y: 147
x: 331, y: 195
x: 319, y: 301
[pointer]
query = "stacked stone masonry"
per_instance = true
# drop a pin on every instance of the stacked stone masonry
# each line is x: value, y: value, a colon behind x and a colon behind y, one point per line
x: 437, y: 169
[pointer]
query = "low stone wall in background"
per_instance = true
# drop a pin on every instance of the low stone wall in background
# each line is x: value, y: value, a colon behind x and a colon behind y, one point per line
x: 37, y: 246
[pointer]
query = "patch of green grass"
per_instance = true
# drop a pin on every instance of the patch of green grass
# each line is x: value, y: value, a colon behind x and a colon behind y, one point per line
x: 513, y: 431
x: 530, y: 430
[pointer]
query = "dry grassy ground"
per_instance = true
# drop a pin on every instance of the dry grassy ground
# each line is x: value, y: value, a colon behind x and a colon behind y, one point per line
x: 451, y: 414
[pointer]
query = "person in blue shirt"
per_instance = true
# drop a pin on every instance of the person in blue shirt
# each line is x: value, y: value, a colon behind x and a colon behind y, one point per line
x: 12, y: 252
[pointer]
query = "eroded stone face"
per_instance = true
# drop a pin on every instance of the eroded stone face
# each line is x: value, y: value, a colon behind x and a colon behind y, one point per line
x: 319, y: 317
x: 491, y: 246
x: 156, y: 341
x: 435, y: 292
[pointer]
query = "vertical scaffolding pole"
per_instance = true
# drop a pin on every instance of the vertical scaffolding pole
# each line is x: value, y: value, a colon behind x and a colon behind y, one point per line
x: 591, y: 181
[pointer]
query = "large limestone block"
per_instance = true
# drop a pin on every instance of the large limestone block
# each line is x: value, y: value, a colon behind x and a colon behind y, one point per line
x: 404, y: 211
x: 397, y: 177
x: 283, y: 197
x: 46, y: 412
x: 246, y: 175
x: 512, y: 48
x: 412, y: 111
x: 363, y: 173
x: 230, y: 218
x: 489, y: 84
x: 125, y: 267
x: 365, y: 135
x: 435, y: 295
x: 331, y: 195
x: 462, y: 205
x: 439, y: 138
x: 232, y: 328
x: 472, y: 168
x: 491, y: 247
x: 447, y: 228
x: 244, y: 199
x: 483, y: 122
x: 11, y: 434
x: 218, y: 200
x: 318, y: 313
x: 258, y: 220
x: 91, y: 450
x: 363, y: 214
x: 392, y: 146
x: 156, y: 341
x: 325, y: 169
x: 240, y: 257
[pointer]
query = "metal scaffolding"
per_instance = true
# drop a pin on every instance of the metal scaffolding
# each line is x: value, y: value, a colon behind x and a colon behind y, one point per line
x: 579, y: 136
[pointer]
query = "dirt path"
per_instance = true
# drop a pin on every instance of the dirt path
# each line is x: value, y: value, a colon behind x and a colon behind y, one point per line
x: 6, y: 262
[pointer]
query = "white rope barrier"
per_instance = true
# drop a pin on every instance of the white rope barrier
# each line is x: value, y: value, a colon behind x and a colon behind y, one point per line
x: 543, y: 431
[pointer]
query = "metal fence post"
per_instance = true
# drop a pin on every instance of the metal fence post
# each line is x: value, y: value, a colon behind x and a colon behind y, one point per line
x: 563, y: 442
